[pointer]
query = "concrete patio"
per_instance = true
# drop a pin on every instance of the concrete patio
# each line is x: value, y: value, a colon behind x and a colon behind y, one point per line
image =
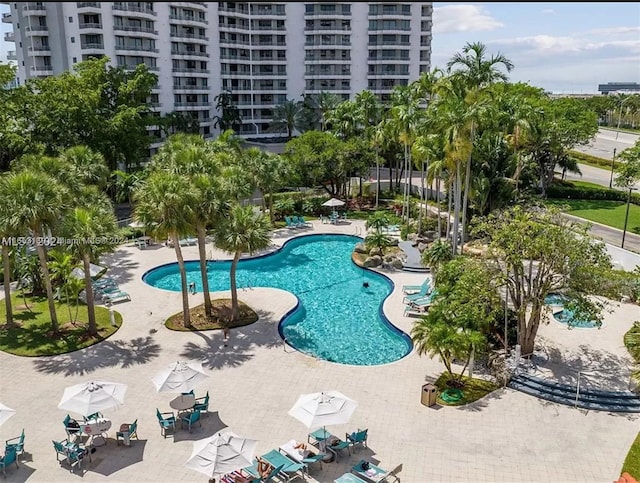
x: 508, y: 436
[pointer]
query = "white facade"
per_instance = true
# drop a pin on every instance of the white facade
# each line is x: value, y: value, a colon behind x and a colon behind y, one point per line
x: 264, y: 53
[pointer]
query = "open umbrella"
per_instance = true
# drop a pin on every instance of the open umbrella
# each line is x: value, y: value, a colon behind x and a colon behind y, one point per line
x: 180, y: 377
x: 92, y: 397
x: 221, y: 454
x: 5, y: 413
x: 323, y: 409
x: 333, y: 202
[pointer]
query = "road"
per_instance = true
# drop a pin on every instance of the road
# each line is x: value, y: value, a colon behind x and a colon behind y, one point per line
x: 605, y: 141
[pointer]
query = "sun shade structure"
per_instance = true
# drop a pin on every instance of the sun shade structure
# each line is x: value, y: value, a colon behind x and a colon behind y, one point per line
x: 180, y: 377
x: 92, y: 397
x: 221, y: 454
x: 333, y: 202
x: 323, y: 409
x: 94, y: 271
x: 5, y: 413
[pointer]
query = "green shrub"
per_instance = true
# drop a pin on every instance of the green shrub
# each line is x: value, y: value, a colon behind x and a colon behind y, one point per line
x: 566, y: 190
x: 592, y: 160
x: 284, y: 207
x: 312, y: 205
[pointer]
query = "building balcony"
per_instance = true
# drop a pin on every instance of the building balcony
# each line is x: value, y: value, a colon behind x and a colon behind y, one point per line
x: 327, y: 30
x: 321, y: 45
x: 92, y: 45
x: 187, y: 70
x: 191, y: 53
x: 33, y: 30
x: 140, y: 30
x: 91, y: 25
x: 192, y: 104
x: 188, y: 18
x: 80, y: 5
x: 389, y: 60
x: 41, y: 71
x: 270, y: 28
x: 137, y: 48
x: 234, y: 11
x: 7, y: 18
x: 257, y: 75
x: 179, y: 35
x: 146, y: 12
x: 380, y: 45
x: 191, y: 88
x: 9, y: 37
x: 11, y: 55
x: 132, y: 67
x: 35, y: 9
x: 39, y: 50
x: 234, y: 42
x: 234, y: 28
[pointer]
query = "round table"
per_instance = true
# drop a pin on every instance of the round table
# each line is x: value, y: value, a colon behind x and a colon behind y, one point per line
x: 95, y: 429
x: 184, y: 402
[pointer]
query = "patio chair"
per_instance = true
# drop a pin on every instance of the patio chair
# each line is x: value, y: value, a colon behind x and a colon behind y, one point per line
x: 327, y: 441
x: 423, y: 301
x: 16, y: 443
x: 190, y: 419
x: 97, y: 415
x: 202, y: 404
x: 72, y: 427
x: 303, y: 223
x: 290, y: 223
x: 412, y: 289
x: 253, y: 473
x: 392, y: 476
x: 72, y: 453
x: 349, y: 478
x: 132, y: 432
x: 10, y: 456
x: 357, y: 438
x: 290, y: 469
x: 190, y: 393
x: 166, y: 420
x: 116, y: 297
x: 425, y: 291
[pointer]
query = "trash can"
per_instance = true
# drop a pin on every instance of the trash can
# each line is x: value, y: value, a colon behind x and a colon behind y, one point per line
x: 429, y: 395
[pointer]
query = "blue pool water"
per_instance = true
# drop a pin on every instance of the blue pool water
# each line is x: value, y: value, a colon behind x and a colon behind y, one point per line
x: 566, y: 316
x: 338, y: 319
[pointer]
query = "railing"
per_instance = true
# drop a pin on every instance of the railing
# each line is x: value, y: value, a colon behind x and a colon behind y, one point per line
x: 188, y: 18
x: 189, y: 70
x: 138, y: 48
x: 191, y: 88
x: 92, y: 25
x: 92, y: 45
x: 87, y: 5
x: 189, y: 36
x: 131, y: 8
x: 34, y: 7
x: 188, y: 52
x: 144, y: 30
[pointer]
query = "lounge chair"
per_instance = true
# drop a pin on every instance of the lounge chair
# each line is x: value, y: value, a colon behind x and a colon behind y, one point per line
x: 357, y: 438
x: 10, y: 456
x: 327, y: 441
x: 253, y: 473
x: 392, y: 476
x: 302, y: 223
x: 423, y: 301
x: 425, y: 291
x: 166, y: 420
x: 116, y: 297
x: 415, y: 309
x: 290, y: 469
x: 412, y: 289
x: 290, y: 222
x: 301, y: 456
x: 16, y: 443
x: 349, y: 478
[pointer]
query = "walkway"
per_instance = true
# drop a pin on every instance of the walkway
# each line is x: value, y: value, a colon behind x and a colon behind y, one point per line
x: 508, y: 436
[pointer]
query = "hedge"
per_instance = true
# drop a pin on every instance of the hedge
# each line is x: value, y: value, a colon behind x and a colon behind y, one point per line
x: 592, y: 160
x: 565, y: 190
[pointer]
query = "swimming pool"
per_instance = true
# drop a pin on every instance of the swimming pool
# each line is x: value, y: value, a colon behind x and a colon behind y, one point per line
x: 338, y: 319
x: 567, y: 316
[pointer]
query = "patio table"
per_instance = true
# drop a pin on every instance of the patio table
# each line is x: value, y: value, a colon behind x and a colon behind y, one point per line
x: 96, y: 429
x: 374, y: 473
x: 184, y: 402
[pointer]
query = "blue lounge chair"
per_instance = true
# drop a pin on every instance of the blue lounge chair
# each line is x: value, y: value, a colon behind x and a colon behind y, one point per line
x: 290, y: 469
x: 253, y: 472
x: 10, y: 456
x: 349, y: 478
x: 303, y: 223
x: 190, y: 419
x: 426, y: 300
x: 331, y: 442
x: 72, y: 453
x: 412, y: 289
x: 16, y: 443
x: 202, y: 404
x: 423, y: 293
x: 358, y: 438
x: 290, y: 222
x: 166, y: 420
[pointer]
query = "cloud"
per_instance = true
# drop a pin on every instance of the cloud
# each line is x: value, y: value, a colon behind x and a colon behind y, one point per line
x: 549, y: 11
x: 463, y: 18
x: 615, y: 31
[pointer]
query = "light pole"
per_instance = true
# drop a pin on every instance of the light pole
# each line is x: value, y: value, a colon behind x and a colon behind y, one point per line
x: 613, y: 160
x: 626, y: 217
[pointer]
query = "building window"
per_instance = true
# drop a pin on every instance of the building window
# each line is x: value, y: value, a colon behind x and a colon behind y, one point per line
x: 70, y: 19
x: 73, y: 40
x: 75, y: 59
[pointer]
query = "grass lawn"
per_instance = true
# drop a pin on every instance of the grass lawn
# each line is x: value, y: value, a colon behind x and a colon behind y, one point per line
x: 33, y: 336
x: 473, y: 389
x: 610, y: 213
x: 221, y: 311
x: 632, y: 463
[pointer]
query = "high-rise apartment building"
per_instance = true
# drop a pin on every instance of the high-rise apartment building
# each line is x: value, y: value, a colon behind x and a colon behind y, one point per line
x: 263, y: 53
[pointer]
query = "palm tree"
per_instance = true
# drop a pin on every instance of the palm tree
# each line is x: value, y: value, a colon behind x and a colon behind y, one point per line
x: 88, y: 224
x: 89, y: 166
x: 323, y: 104
x: 61, y: 265
x: 243, y: 231
x: 36, y: 203
x: 345, y: 120
x: 287, y: 116
x: 6, y: 231
x: 268, y: 170
x: 164, y: 203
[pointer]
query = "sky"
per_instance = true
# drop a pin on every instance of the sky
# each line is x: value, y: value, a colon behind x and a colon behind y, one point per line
x: 561, y: 47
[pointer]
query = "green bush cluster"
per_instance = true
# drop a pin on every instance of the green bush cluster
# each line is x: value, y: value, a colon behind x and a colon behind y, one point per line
x: 592, y: 160
x: 566, y: 190
x: 296, y: 202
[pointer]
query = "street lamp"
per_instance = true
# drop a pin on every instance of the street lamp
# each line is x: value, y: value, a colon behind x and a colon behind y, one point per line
x: 626, y: 217
x: 613, y: 161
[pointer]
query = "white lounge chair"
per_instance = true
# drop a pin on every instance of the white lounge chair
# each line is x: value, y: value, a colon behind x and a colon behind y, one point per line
x: 116, y: 297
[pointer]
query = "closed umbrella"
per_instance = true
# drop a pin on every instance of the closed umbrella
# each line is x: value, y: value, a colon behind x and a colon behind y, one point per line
x: 5, y: 413
x: 92, y: 397
x: 221, y: 454
x: 322, y: 409
x: 180, y: 377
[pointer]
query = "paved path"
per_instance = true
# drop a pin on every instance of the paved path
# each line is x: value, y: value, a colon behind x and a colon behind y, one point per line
x: 611, y: 235
x: 508, y: 436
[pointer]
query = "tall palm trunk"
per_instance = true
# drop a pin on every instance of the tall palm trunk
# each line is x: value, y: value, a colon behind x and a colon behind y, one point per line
x: 438, y: 201
x: 467, y: 183
x: 86, y: 265
x: 6, y: 271
x: 202, y: 251
x: 42, y: 256
x: 234, y: 289
x: 183, y: 279
x: 456, y: 208
x: 271, y: 206
x: 449, y: 203
x: 422, y: 199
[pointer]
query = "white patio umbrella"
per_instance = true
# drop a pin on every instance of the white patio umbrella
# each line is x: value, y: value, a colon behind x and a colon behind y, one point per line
x: 91, y: 397
x: 322, y: 409
x: 5, y: 413
x: 180, y: 377
x: 221, y: 454
x: 333, y: 202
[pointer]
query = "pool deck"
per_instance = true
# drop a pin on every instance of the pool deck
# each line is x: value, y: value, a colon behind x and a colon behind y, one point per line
x: 507, y: 436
